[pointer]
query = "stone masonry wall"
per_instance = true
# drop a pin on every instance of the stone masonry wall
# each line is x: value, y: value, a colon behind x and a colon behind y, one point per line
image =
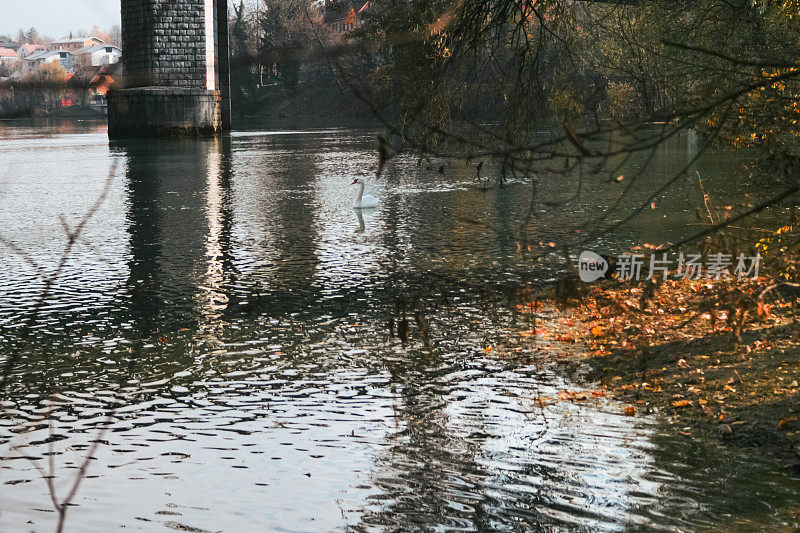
x: 162, y: 112
x: 163, y: 43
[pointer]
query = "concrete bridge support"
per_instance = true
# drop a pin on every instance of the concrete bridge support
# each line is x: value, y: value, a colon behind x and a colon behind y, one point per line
x: 176, y: 70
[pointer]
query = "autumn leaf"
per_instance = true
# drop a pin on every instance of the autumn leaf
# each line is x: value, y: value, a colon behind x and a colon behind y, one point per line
x: 574, y: 396
x: 529, y: 307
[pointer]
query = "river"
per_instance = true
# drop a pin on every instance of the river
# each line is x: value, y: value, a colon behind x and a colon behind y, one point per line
x: 238, y: 329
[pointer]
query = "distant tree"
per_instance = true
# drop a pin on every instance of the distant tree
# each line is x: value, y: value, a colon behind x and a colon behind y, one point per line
x: 70, y: 34
x: 6, y: 69
x: 47, y: 82
x: 32, y: 36
x: 21, y: 37
x: 240, y: 30
x: 49, y: 74
x: 244, y: 79
x: 115, y: 35
x: 290, y: 31
x: 101, y: 34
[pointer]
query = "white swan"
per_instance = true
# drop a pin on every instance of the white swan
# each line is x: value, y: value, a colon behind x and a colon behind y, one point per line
x: 363, y: 201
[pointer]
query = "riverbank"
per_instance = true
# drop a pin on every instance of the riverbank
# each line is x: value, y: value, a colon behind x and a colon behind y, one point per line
x: 707, y: 354
x: 324, y: 99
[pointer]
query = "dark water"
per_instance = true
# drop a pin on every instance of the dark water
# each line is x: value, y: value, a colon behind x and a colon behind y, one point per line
x: 234, y: 323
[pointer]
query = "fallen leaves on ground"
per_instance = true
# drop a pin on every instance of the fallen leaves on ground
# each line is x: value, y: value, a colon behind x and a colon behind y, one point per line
x: 698, y: 350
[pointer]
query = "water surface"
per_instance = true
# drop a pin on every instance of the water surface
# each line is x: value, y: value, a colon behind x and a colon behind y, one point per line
x: 235, y: 324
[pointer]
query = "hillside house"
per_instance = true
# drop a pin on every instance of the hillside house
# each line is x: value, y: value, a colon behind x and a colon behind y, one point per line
x: 29, y: 49
x: 342, y: 16
x: 8, y: 56
x: 73, y: 45
x: 34, y: 61
x: 97, y: 55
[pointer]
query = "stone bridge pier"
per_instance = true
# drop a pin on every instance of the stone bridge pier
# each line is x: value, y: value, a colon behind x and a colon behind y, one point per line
x: 176, y: 72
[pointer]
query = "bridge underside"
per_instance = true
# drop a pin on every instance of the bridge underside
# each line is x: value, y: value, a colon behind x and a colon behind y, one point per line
x: 175, y: 70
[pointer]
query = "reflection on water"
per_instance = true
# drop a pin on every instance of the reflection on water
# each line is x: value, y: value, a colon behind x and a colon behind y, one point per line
x: 245, y: 326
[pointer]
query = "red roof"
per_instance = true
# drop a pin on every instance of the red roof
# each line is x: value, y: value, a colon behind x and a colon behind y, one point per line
x: 32, y: 47
x: 101, y: 83
x: 7, y: 52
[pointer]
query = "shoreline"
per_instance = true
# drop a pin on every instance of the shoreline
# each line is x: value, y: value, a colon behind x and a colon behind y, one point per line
x: 672, y: 353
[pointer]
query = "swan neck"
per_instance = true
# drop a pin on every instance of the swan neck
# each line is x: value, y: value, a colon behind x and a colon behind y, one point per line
x: 360, y: 192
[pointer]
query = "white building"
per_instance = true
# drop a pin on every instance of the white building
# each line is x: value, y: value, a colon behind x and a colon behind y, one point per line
x: 34, y: 61
x: 97, y: 55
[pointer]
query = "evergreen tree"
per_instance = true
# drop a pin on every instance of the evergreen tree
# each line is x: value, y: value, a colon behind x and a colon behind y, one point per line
x: 32, y: 36
x: 243, y: 82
